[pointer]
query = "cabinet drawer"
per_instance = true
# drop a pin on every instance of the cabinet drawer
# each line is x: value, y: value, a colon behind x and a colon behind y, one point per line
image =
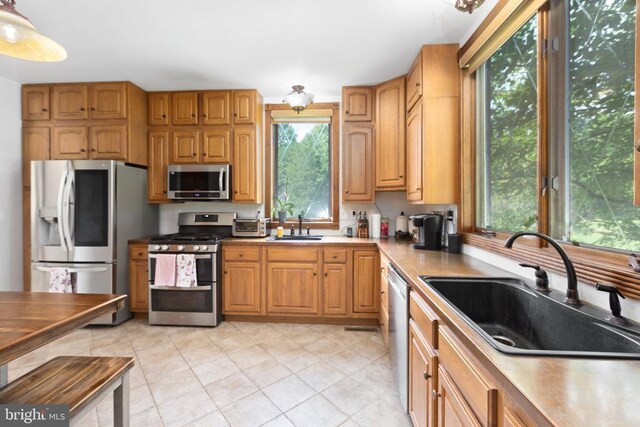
x: 335, y: 255
x: 139, y: 251
x: 425, y: 318
x: 478, y: 391
x: 242, y: 253
x: 292, y: 254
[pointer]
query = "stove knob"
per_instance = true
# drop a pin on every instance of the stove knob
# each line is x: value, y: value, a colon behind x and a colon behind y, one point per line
x: 204, y: 248
x: 181, y: 248
x: 155, y: 248
x: 196, y: 248
x: 164, y: 248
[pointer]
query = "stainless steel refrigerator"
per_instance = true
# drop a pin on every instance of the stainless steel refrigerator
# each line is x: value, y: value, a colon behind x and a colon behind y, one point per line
x: 83, y: 212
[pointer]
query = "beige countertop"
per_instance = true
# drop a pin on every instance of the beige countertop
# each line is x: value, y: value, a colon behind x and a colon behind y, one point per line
x: 567, y: 391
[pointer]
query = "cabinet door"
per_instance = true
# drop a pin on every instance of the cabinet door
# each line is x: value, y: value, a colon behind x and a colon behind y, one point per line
x: 109, y: 142
x: 185, y: 147
x: 414, y: 154
x: 335, y: 288
x: 511, y: 419
x: 293, y: 288
x: 216, y: 145
x: 36, y: 145
x: 70, y: 143
x: 357, y: 164
x: 414, y: 82
x: 216, y: 107
x: 390, y: 135
x: 245, y: 164
x: 35, y: 103
x: 242, y: 290
x: 158, y: 109
x: 158, y: 164
x: 139, y: 285
x: 70, y: 102
x: 422, y: 361
x: 357, y: 104
x: 366, y: 287
x: 453, y: 409
x: 244, y: 107
x: 184, y: 108
x: 109, y: 101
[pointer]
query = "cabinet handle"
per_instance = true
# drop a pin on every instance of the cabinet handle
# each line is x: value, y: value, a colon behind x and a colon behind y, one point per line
x: 235, y: 114
x: 81, y: 108
x: 139, y: 253
x: 204, y: 115
x: 315, y: 274
x: 435, y: 395
x: 164, y: 116
x: 417, y: 84
x: 226, y: 272
x: 346, y: 112
x: 194, y: 154
x: 401, y: 176
x: 426, y: 376
x: 381, y: 292
x: 418, y: 189
x: 44, y: 109
x: 82, y: 150
x: 346, y: 191
x: 335, y: 257
x: 326, y: 274
x: 93, y: 109
x: 193, y: 115
x: 240, y: 255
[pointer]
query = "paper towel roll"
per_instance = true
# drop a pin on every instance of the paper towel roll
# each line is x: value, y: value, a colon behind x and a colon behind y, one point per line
x: 374, y: 225
x: 402, y: 223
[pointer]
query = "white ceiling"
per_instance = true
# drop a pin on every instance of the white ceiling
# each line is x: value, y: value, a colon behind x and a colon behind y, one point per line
x: 264, y: 44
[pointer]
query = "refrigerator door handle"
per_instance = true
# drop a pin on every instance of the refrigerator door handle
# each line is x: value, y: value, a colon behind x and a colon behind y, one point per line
x: 73, y: 270
x: 60, y: 225
x: 67, y: 208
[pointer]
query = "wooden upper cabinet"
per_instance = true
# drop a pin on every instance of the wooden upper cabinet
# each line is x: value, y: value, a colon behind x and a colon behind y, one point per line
x: 109, y: 142
x: 71, y: 102
x: 216, y: 145
x: 158, y: 165
x: 158, y: 109
x: 244, y: 107
x: 390, y: 135
x: 366, y: 285
x: 36, y: 103
x: 357, y: 104
x: 440, y: 70
x: 184, y: 108
x: 414, y: 154
x: 335, y: 286
x: 246, y: 170
x: 293, y: 288
x: 185, y: 147
x: 70, y: 143
x: 216, y: 107
x: 36, y: 145
x: 109, y: 101
x: 242, y: 293
x: 357, y: 164
x: 414, y: 82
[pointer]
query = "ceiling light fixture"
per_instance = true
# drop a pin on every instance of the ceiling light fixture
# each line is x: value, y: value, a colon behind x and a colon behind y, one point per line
x: 20, y: 39
x: 298, y: 99
x: 468, y: 5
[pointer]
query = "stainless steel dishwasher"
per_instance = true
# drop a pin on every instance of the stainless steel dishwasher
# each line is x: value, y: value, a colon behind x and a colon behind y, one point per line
x: 399, y: 333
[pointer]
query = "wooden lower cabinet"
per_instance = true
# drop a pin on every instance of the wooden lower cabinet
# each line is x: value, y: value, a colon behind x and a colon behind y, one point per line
x: 293, y: 288
x: 422, y: 379
x: 138, y: 278
x: 335, y: 286
x: 241, y: 292
x: 366, y: 284
x: 453, y: 409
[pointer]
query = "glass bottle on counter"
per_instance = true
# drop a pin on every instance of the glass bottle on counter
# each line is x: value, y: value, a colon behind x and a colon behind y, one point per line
x: 384, y: 228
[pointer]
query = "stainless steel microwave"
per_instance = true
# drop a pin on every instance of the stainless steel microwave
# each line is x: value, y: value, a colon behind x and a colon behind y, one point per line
x: 199, y: 182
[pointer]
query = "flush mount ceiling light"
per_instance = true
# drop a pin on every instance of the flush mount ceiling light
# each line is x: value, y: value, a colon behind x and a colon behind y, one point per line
x: 298, y: 99
x: 468, y: 5
x: 20, y: 39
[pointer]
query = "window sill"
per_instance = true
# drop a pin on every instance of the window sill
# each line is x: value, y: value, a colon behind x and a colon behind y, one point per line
x: 313, y: 225
x: 592, y: 265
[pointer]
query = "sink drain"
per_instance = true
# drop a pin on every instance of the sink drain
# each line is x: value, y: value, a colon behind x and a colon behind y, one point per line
x: 504, y: 340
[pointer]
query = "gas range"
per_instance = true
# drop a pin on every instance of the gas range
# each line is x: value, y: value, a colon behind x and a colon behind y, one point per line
x: 198, y: 232
x: 185, y: 242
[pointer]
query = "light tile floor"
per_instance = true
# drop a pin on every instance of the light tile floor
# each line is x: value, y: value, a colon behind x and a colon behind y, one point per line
x: 241, y: 374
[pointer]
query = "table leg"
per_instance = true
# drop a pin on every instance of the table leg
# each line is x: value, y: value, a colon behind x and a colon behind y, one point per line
x: 4, y: 375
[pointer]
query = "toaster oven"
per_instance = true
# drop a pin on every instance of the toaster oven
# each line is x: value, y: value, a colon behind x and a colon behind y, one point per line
x: 251, y: 227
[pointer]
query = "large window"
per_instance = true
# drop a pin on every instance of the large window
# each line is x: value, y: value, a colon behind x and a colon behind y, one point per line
x: 584, y: 177
x: 302, y: 164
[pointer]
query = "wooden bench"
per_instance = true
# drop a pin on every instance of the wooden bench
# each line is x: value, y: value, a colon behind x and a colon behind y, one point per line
x: 78, y: 381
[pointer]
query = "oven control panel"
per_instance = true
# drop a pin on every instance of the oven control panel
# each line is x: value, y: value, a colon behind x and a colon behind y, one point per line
x: 160, y: 248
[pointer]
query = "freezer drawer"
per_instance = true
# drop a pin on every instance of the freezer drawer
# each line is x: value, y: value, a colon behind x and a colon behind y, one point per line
x: 89, y: 279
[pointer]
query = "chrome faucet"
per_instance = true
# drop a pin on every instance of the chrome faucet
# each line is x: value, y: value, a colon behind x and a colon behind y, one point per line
x: 572, y: 279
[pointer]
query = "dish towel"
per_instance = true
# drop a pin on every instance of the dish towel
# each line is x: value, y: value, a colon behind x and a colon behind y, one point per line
x: 165, y: 274
x: 186, y: 265
x: 61, y: 281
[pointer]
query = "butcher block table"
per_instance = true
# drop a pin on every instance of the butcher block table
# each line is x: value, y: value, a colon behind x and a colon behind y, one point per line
x: 30, y: 320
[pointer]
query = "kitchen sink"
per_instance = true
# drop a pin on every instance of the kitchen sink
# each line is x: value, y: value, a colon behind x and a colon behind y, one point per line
x: 295, y: 238
x: 518, y: 320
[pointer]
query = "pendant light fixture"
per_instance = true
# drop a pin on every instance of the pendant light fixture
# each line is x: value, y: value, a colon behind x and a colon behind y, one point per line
x: 298, y: 99
x: 20, y: 39
x: 468, y: 5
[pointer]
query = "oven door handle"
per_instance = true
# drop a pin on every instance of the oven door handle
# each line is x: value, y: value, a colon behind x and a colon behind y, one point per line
x: 177, y: 288
x: 197, y: 256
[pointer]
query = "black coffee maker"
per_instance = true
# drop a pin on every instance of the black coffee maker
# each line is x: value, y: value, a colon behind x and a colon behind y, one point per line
x: 429, y: 231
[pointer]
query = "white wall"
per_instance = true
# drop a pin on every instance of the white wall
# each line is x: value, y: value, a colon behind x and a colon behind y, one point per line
x: 10, y: 187
x: 588, y: 293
